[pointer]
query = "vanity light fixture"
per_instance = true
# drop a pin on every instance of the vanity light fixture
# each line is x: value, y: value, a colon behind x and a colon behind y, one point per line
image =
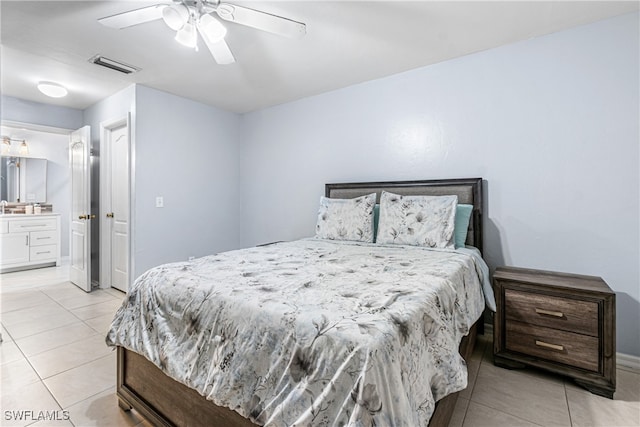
x: 6, y: 145
x: 54, y: 90
x: 24, y: 148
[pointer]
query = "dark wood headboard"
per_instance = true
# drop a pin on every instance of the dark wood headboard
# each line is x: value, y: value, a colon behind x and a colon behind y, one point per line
x: 468, y: 190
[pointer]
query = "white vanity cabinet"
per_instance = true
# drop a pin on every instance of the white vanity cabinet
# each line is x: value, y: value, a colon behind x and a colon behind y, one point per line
x: 29, y: 241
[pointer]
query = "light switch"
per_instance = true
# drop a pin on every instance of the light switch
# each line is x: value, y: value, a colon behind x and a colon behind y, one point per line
x: 159, y: 202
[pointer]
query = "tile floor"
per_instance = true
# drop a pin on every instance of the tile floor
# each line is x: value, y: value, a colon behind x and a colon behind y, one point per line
x: 54, y: 358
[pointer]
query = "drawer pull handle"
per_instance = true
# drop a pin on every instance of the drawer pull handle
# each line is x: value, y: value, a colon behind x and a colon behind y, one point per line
x: 42, y: 238
x: 41, y: 253
x: 549, y: 312
x: 551, y: 346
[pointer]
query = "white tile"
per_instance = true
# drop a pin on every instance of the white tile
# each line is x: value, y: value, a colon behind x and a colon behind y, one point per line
x: 56, y: 419
x: 32, y: 327
x: 96, y: 310
x: 63, y: 291
x: 38, y: 312
x: 78, y: 384
x: 54, y: 338
x: 5, y: 334
x: 21, y: 300
x: 102, y: 410
x: 17, y: 374
x: 484, y: 416
x: 34, y: 279
x: 63, y: 358
x: 531, y: 396
x: 100, y: 324
x: 85, y: 299
x: 588, y: 409
x: 9, y: 352
x: 34, y: 397
x: 118, y: 294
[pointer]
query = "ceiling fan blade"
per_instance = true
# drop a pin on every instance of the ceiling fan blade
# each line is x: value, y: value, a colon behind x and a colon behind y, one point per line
x: 133, y: 17
x: 261, y: 20
x: 220, y: 50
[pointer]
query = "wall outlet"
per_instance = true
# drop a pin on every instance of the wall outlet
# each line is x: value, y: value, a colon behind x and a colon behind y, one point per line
x: 159, y: 202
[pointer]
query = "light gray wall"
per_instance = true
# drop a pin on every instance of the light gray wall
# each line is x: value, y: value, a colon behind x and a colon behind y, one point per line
x: 186, y: 152
x: 550, y: 123
x: 19, y: 110
x: 114, y: 107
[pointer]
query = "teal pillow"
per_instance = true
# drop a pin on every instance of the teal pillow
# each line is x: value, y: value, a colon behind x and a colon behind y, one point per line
x: 463, y: 215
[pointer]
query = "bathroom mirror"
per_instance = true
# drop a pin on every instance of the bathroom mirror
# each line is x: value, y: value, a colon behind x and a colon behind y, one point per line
x: 23, y: 179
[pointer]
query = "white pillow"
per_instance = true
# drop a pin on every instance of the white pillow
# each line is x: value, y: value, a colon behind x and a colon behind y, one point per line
x: 417, y: 220
x: 346, y: 219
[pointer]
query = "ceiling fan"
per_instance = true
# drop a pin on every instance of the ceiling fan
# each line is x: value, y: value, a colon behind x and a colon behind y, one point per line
x: 190, y: 17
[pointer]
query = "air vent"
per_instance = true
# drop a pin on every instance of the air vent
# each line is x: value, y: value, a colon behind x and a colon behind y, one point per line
x: 114, y: 65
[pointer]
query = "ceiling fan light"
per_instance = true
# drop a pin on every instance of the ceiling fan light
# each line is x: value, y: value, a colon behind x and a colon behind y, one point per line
x: 175, y: 16
x: 187, y: 36
x: 54, y: 90
x: 211, y: 28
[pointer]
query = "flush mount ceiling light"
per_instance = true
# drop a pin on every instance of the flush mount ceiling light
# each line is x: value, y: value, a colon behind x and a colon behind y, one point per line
x: 54, y: 90
x: 190, y: 17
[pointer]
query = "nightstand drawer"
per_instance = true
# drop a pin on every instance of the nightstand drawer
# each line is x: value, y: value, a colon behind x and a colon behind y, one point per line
x: 554, y: 345
x: 554, y: 312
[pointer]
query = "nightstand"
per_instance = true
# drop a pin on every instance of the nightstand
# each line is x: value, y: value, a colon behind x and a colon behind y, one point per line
x: 564, y: 323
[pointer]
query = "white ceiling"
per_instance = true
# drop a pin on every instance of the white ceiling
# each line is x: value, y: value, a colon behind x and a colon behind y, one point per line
x: 347, y: 42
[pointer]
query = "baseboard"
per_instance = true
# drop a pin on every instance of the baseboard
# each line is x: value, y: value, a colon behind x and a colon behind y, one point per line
x: 627, y: 361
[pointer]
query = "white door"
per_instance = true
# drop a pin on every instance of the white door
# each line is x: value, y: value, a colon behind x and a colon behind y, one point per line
x: 117, y: 143
x: 80, y: 241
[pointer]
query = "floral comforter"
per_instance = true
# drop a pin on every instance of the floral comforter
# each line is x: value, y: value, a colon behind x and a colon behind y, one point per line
x: 310, y: 332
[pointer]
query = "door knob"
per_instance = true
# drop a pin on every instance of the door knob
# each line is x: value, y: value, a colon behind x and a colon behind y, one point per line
x: 110, y: 215
x: 92, y: 216
x: 83, y: 217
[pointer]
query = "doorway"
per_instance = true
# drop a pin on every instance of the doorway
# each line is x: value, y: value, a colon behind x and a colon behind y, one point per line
x: 115, y: 204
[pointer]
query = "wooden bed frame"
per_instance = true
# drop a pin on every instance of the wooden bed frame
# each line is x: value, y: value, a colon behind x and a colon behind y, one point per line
x: 166, y: 402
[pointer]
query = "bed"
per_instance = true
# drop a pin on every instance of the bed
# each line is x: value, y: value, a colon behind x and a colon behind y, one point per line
x: 313, y: 370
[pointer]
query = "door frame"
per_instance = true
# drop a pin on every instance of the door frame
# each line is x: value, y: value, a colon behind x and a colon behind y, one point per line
x: 105, y: 204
